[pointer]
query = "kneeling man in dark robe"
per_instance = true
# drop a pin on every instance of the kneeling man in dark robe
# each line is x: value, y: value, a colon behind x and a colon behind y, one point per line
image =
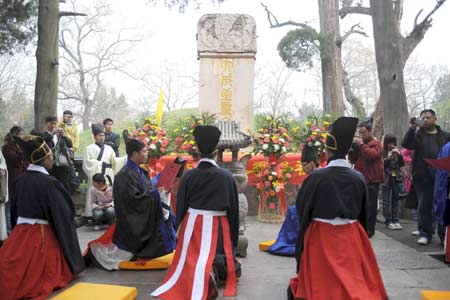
x: 144, y: 228
x: 335, y: 259
x: 208, y: 223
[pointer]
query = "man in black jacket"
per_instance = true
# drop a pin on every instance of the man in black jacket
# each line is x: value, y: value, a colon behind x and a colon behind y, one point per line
x: 111, y: 138
x: 426, y: 139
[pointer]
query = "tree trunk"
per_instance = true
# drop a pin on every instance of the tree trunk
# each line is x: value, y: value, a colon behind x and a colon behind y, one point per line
x: 355, y: 101
x: 377, y: 119
x: 390, y: 68
x: 46, y: 88
x: 87, y: 114
x: 330, y: 55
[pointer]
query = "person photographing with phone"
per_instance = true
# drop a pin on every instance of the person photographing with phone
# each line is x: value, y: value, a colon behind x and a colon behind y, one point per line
x: 426, y: 139
x: 394, y: 175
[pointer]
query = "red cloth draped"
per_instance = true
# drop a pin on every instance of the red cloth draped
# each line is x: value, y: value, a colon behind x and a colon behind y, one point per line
x: 338, y: 261
x: 32, y: 264
x: 293, y: 160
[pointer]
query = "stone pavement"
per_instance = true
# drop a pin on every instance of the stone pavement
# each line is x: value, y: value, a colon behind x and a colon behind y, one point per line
x: 405, y: 271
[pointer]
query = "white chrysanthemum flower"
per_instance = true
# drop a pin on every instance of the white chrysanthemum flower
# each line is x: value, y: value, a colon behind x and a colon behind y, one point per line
x: 276, y: 147
x: 153, y: 146
x: 265, y: 146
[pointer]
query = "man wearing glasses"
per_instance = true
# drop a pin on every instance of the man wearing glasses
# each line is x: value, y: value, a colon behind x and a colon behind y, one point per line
x: 426, y: 139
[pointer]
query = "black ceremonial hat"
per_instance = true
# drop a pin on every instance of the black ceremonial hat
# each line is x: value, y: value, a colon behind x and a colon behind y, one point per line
x: 207, y: 138
x: 97, y: 128
x: 34, y: 147
x: 340, y: 135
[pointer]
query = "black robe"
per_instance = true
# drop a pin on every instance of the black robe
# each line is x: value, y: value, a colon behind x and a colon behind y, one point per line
x: 328, y: 193
x: 208, y: 187
x: 140, y: 226
x: 40, y: 196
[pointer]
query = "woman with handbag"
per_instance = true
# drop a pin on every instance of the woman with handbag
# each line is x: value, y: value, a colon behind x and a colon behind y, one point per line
x: 393, y: 180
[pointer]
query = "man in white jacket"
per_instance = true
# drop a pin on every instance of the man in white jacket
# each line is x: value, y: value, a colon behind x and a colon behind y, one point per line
x: 99, y: 158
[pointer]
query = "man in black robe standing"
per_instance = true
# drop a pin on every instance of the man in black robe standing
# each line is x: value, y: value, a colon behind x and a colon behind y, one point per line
x: 334, y: 256
x: 208, y: 222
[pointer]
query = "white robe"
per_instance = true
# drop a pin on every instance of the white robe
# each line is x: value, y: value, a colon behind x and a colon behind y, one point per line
x: 3, y: 233
x: 92, y: 166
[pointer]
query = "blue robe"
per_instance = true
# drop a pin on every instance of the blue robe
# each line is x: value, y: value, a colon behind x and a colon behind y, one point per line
x: 287, y: 238
x: 441, y: 203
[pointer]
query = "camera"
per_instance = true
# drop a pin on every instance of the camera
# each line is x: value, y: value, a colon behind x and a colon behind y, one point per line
x: 417, y: 121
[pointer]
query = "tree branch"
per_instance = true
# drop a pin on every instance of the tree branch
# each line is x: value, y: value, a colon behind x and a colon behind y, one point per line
x: 71, y: 13
x: 358, y: 9
x: 354, y: 31
x: 273, y: 21
x: 409, y: 43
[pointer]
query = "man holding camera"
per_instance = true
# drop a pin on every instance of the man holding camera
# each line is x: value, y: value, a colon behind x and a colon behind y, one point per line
x: 426, y: 139
x: 366, y: 154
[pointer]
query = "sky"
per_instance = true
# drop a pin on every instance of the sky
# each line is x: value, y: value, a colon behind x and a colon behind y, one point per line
x: 170, y: 35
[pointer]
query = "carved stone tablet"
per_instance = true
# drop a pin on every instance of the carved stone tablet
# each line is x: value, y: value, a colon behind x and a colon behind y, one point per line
x: 226, y: 33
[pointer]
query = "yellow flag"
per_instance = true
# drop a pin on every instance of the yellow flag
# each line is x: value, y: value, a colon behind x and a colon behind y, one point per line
x: 159, y: 108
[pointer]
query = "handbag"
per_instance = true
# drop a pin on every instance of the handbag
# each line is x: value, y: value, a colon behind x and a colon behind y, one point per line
x: 62, y: 156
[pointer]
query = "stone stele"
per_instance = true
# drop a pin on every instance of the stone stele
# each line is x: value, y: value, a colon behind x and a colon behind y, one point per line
x: 226, y: 49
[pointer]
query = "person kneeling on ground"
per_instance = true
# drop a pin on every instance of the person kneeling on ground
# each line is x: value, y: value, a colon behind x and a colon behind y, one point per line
x: 42, y: 253
x: 143, y: 228
x: 287, y: 237
x: 102, y: 201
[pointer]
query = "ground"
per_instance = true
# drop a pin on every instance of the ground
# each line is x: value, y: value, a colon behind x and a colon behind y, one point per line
x: 406, y: 268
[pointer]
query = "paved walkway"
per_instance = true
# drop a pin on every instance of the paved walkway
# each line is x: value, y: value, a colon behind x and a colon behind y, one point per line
x: 405, y: 271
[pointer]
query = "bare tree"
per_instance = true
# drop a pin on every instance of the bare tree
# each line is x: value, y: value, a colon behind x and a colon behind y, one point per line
x: 420, y: 84
x: 83, y: 66
x: 180, y: 89
x: 360, y: 70
x: 272, y: 90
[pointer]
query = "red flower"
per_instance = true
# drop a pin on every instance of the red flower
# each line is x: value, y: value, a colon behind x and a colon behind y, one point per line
x: 288, y: 175
x: 272, y: 205
x: 266, y: 140
x: 267, y: 183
